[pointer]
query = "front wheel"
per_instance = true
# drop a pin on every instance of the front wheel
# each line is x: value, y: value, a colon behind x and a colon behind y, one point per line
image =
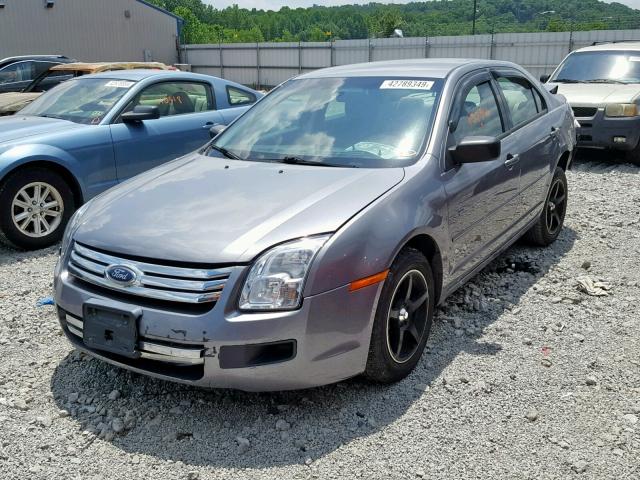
x: 633, y: 156
x: 551, y: 220
x: 403, y: 319
x: 35, y: 206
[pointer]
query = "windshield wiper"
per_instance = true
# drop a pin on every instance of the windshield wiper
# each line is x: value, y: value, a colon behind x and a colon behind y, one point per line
x: 605, y: 80
x: 291, y: 160
x: 225, y: 152
x: 566, y: 80
x: 49, y: 115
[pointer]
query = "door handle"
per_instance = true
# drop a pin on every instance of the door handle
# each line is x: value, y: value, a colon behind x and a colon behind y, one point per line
x: 511, y: 160
x: 554, y: 130
x: 207, y: 125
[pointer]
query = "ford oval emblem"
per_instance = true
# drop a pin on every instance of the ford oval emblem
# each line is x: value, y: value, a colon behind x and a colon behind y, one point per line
x: 121, y: 274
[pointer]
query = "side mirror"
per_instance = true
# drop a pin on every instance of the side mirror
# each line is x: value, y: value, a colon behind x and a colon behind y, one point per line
x: 141, y: 113
x: 544, y: 78
x: 476, y: 149
x: 216, y: 130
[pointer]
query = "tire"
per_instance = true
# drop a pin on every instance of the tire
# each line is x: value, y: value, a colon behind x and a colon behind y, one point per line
x: 17, y: 196
x: 386, y: 362
x: 551, y: 220
x: 633, y: 156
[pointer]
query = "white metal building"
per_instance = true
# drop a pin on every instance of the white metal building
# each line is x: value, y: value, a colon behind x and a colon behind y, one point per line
x: 89, y: 30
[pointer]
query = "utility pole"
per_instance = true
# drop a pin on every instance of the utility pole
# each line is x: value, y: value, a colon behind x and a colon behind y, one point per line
x: 475, y: 9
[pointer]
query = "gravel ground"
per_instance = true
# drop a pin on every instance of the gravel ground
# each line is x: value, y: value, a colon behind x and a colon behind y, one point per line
x: 525, y: 377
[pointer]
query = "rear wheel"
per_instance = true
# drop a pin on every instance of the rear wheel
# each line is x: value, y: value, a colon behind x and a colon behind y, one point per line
x: 403, y: 319
x: 549, y: 225
x: 35, y: 206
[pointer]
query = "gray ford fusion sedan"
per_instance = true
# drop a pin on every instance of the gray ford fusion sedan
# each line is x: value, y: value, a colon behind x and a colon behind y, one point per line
x: 310, y: 240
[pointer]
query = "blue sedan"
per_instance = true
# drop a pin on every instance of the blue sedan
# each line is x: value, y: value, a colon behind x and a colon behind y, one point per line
x: 88, y: 134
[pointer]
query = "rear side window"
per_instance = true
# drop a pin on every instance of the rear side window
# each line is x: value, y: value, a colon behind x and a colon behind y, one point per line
x: 238, y: 97
x: 521, y: 99
x: 176, y: 98
x: 479, y: 115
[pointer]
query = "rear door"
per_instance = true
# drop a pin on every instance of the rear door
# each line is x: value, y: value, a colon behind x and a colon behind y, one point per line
x: 233, y: 101
x: 535, y: 138
x: 187, y: 112
x: 483, y: 197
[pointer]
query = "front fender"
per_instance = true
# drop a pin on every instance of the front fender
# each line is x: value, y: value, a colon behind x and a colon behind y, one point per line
x: 19, y: 155
x: 370, y: 241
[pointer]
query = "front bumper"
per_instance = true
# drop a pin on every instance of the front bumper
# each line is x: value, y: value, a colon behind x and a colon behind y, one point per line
x: 599, y: 131
x: 330, y: 335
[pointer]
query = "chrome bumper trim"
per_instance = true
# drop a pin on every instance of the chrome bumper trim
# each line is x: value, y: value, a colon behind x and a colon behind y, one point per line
x: 149, y: 350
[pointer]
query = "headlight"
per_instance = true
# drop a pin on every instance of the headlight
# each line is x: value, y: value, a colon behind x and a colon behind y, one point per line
x: 621, y: 110
x: 72, y: 226
x: 276, y: 279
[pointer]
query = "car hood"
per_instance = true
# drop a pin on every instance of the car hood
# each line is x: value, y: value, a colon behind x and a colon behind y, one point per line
x: 17, y: 127
x: 598, y: 94
x: 199, y: 209
x: 11, y: 102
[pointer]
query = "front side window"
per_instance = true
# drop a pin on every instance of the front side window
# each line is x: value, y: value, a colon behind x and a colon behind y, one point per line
x: 362, y: 121
x: 17, y: 72
x: 82, y: 100
x: 599, y: 67
x: 176, y: 98
x: 238, y: 97
x: 479, y: 115
x: 521, y: 102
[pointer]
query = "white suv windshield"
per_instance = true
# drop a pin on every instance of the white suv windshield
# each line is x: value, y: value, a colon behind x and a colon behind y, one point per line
x: 600, y: 67
x: 360, y: 121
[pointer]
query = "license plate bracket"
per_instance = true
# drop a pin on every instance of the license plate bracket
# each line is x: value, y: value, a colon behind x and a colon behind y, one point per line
x: 110, y: 328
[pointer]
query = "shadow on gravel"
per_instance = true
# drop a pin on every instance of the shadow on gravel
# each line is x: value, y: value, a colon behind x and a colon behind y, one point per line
x: 603, y: 162
x: 201, y: 428
x: 10, y: 255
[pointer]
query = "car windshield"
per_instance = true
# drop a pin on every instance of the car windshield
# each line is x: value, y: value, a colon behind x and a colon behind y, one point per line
x: 600, y: 67
x: 347, y: 122
x: 51, y: 78
x: 85, y: 100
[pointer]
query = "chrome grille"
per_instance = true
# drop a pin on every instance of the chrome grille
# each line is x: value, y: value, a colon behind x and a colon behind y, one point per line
x: 584, y: 112
x: 156, y: 281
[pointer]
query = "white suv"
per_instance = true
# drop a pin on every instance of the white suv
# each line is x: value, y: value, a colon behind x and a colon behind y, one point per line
x: 602, y: 85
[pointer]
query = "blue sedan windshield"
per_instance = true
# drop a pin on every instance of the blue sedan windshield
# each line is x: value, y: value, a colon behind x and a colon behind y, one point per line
x: 358, y: 121
x: 85, y: 100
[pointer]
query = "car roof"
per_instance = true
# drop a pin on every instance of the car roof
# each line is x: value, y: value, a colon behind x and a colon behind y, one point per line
x: 108, y: 66
x: 139, y: 75
x: 613, y: 46
x: 20, y: 58
x: 420, y: 68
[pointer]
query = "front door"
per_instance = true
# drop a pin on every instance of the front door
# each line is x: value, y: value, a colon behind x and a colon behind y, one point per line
x: 15, y: 77
x: 187, y: 112
x: 483, y: 197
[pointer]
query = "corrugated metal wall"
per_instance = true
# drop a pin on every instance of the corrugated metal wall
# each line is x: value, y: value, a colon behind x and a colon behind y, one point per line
x: 89, y: 30
x: 268, y: 64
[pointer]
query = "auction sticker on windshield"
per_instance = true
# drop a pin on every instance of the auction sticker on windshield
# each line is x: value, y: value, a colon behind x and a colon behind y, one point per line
x: 119, y: 84
x: 408, y: 84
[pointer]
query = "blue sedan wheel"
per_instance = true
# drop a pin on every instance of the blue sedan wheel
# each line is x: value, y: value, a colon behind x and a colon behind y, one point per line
x: 35, y: 206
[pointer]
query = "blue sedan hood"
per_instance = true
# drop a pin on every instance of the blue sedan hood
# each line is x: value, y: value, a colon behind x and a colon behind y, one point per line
x: 17, y: 127
x: 199, y: 209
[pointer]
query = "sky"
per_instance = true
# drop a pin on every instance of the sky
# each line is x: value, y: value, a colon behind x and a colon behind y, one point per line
x: 276, y: 4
